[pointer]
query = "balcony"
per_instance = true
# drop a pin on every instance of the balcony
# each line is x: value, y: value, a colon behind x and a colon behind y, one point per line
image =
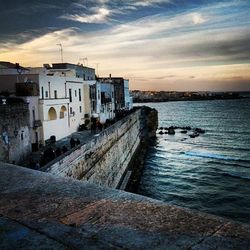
x: 53, y: 101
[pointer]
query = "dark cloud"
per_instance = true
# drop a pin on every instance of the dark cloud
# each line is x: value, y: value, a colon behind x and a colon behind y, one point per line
x: 234, y: 48
x: 21, y: 20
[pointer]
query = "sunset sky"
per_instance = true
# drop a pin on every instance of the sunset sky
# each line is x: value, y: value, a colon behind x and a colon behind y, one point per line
x: 157, y: 44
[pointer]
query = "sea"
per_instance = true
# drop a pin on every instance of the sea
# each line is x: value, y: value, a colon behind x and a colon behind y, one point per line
x: 209, y: 173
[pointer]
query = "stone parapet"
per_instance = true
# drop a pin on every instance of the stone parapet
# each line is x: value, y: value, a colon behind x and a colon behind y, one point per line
x: 42, y: 211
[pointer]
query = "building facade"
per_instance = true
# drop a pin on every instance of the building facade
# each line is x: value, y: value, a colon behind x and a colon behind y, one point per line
x: 62, y: 104
x: 59, y: 99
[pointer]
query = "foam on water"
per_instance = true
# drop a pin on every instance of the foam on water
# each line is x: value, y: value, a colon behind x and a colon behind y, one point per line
x: 207, y: 171
x: 211, y: 155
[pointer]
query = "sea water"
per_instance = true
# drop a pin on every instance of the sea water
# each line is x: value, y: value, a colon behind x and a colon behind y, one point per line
x: 210, y: 173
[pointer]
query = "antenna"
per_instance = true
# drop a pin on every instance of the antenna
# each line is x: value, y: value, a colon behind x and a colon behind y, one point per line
x: 59, y: 44
x: 83, y: 59
x: 97, y: 69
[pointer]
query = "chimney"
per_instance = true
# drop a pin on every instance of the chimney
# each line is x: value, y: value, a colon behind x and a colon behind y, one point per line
x: 109, y: 75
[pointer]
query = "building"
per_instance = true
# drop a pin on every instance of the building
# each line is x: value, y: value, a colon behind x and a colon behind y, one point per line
x: 107, y: 100
x: 60, y: 99
x: 10, y: 75
x: 60, y: 107
x: 61, y: 103
x: 128, y: 100
x: 122, y: 98
x: 86, y: 73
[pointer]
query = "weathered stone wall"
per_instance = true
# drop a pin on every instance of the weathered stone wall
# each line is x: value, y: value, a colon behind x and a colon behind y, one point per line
x: 15, y: 132
x: 105, y: 158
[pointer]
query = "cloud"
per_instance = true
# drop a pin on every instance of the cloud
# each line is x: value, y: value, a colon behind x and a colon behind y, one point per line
x: 158, y: 51
x: 99, y: 15
x: 145, y: 3
x: 198, y: 19
x: 104, y: 9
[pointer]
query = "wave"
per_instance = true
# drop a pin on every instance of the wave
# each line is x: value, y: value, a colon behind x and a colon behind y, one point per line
x: 231, y: 164
x: 214, y: 156
x: 216, y: 146
x: 236, y: 175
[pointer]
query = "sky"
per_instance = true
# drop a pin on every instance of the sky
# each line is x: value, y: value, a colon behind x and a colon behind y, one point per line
x: 171, y: 45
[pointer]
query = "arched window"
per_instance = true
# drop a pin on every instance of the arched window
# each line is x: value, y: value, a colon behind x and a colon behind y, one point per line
x: 62, y: 112
x: 52, y: 114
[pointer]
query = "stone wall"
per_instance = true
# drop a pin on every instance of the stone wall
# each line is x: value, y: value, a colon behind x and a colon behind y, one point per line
x: 15, y: 132
x: 104, y: 159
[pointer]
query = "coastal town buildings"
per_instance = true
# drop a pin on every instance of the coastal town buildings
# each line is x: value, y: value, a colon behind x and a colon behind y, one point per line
x: 163, y: 96
x: 60, y: 102
x: 127, y: 98
x: 107, y: 99
x: 62, y: 98
x: 122, y: 98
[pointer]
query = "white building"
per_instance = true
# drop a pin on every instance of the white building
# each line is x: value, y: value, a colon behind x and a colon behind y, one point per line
x: 107, y: 101
x: 61, y: 104
x: 64, y: 96
x: 127, y: 98
x: 61, y: 107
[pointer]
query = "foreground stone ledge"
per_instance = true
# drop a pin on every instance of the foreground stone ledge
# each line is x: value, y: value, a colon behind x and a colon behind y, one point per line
x: 41, y: 211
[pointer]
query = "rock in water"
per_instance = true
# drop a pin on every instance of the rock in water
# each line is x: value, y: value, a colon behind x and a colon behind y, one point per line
x: 199, y: 130
x: 184, y: 131
x: 171, y: 131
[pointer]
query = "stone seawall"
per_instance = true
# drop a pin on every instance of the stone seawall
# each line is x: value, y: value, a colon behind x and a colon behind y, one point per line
x: 104, y: 160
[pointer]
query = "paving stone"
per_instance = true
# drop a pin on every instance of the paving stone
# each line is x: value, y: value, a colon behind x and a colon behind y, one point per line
x: 79, y: 215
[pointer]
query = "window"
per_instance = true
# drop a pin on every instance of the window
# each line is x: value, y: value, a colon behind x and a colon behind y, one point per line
x: 93, y: 106
x: 42, y: 93
x: 36, y: 136
x: 71, y: 110
x: 83, y: 76
x: 99, y: 95
x: 33, y: 115
x: 22, y: 135
x: 75, y: 93
x: 49, y: 90
x: 46, y: 94
x: 70, y: 95
x: 52, y: 114
x: 55, y: 94
x: 80, y: 96
x: 80, y: 109
x: 62, y: 112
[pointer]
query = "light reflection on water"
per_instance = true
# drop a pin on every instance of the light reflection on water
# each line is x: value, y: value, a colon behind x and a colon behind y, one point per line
x: 210, y: 173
